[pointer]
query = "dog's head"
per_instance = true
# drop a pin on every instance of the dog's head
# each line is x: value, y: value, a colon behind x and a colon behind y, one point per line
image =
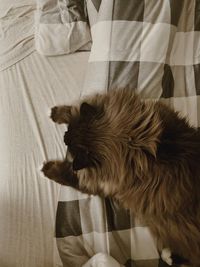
x: 112, y: 134
x: 83, y: 137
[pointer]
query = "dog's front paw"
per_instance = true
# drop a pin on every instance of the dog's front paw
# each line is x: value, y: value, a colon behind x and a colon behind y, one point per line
x: 54, y: 115
x: 60, y: 114
x: 61, y: 172
x: 51, y: 169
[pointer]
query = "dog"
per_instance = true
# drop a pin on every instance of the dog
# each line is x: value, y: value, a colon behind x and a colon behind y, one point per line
x: 141, y: 153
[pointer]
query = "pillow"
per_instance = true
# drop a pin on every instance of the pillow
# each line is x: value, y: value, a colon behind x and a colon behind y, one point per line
x: 61, y: 27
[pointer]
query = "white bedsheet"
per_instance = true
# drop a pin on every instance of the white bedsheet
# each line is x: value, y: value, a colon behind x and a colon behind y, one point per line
x: 27, y: 138
x: 30, y: 85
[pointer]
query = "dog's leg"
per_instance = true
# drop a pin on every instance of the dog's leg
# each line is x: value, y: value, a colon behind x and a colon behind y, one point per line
x: 61, y: 114
x: 61, y: 172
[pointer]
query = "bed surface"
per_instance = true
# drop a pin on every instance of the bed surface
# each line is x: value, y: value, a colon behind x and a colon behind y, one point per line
x: 28, y: 202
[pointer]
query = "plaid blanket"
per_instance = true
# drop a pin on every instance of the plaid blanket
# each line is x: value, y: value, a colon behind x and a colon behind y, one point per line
x: 154, y: 47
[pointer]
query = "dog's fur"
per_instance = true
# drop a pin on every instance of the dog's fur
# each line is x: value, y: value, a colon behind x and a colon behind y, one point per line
x: 141, y: 153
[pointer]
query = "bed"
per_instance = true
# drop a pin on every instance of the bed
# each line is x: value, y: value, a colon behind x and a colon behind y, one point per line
x: 151, y: 46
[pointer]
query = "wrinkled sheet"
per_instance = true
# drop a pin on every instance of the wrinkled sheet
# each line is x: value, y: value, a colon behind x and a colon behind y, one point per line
x: 28, y: 201
x: 16, y: 17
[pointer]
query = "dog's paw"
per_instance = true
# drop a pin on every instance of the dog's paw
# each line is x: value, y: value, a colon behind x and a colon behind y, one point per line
x: 50, y: 169
x: 60, y: 114
x: 166, y: 256
x: 54, y: 114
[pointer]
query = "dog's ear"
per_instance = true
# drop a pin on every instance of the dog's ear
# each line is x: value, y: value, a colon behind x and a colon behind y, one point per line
x: 87, y: 111
x: 81, y: 161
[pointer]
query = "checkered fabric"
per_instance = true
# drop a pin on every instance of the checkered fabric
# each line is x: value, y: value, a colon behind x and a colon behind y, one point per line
x: 152, y: 46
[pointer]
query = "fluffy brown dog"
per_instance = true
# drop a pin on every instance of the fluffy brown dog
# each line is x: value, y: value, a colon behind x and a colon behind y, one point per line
x: 144, y: 155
